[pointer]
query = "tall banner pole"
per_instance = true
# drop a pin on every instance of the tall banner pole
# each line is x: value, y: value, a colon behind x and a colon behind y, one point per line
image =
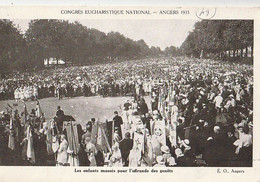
x: 73, y: 140
x: 113, y: 128
x: 106, y: 140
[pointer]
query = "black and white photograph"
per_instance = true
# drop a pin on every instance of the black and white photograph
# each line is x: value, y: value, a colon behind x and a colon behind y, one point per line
x: 126, y: 92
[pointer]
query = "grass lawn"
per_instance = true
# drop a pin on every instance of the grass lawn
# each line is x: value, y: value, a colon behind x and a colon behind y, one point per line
x: 81, y: 108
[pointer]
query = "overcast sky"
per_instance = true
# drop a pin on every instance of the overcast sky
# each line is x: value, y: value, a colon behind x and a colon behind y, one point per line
x: 160, y: 33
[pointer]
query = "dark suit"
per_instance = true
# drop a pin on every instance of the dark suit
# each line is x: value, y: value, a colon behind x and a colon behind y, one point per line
x: 59, y: 119
x: 117, y: 123
x: 60, y: 113
x: 125, y: 146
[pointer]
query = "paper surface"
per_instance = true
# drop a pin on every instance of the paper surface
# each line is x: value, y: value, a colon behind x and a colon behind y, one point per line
x: 101, y: 17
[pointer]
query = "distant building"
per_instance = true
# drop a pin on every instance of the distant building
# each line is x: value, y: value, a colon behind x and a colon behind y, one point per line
x: 53, y: 62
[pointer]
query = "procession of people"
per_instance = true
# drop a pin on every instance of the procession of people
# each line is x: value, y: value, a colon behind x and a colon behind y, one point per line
x: 200, y: 114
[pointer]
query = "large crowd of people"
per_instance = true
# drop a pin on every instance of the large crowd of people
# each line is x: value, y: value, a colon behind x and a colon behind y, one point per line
x: 201, y: 114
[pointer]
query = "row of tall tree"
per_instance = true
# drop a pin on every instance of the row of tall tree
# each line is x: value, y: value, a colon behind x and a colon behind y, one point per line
x: 70, y: 42
x: 78, y: 44
x: 224, y: 38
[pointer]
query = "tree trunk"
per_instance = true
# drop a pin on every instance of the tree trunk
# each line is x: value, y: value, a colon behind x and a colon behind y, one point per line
x: 246, y: 52
x: 233, y: 53
x: 252, y: 51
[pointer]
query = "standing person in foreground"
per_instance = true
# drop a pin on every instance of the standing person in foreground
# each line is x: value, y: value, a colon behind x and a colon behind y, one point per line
x: 125, y: 146
x: 118, y: 122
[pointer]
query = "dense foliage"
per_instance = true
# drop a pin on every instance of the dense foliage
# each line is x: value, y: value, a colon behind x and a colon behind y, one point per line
x: 230, y: 38
x: 12, y: 48
x: 75, y: 43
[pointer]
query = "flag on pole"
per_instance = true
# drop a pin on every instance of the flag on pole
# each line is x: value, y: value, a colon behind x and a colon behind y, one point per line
x: 11, y: 141
x: 170, y: 93
x: 173, y: 133
x: 148, y: 151
x: 30, y: 149
x: 94, y: 133
x: 73, y: 140
x: 102, y: 141
x: 72, y: 136
x: 39, y: 112
x: 139, y: 141
x: 49, y: 138
x: 108, y: 130
x: 25, y: 115
x: 113, y: 130
x: 160, y: 102
x: 159, y: 129
x: 10, y: 106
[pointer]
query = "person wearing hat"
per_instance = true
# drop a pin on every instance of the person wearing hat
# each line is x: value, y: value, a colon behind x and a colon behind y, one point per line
x: 180, y: 159
x: 117, y: 123
x: 169, y: 160
x: 185, y: 145
x: 189, y: 152
x: 165, y: 149
x: 159, y: 161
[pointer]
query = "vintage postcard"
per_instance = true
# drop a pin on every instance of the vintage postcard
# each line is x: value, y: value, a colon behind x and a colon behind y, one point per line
x: 129, y: 93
